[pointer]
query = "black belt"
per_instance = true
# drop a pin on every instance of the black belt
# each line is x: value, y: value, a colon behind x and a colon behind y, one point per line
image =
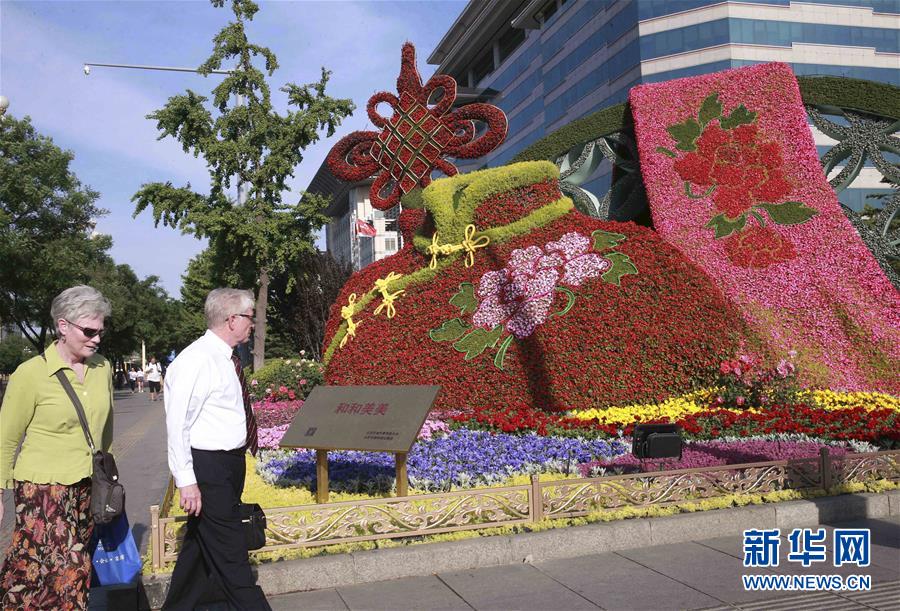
x: 234, y: 452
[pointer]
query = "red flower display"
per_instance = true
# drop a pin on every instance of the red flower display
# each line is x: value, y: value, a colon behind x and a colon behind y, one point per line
x: 880, y: 426
x: 745, y: 172
x: 656, y: 333
x: 758, y: 247
x: 745, y: 178
x: 417, y: 137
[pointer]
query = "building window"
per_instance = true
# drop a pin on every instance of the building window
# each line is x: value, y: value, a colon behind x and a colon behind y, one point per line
x: 484, y: 65
x: 390, y: 244
x: 510, y: 41
x: 548, y: 11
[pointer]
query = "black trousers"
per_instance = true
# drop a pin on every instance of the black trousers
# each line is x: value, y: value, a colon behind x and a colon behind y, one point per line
x: 214, y: 553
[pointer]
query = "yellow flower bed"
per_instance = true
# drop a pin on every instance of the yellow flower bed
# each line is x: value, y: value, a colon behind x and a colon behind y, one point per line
x: 833, y: 400
x: 678, y: 407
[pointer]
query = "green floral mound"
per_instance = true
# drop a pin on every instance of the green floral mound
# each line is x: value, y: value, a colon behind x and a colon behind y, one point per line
x: 509, y: 297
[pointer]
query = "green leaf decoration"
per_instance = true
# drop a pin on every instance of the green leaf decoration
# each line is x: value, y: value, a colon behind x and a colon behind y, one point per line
x: 465, y: 298
x: 690, y: 193
x: 570, y: 299
x: 501, y: 353
x: 604, y: 240
x: 450, y: 331
x: 621, y: 266
x: 738, y: 116
x: 685, y: 134
x: 725, y: 226
x: 667, y: 152
x: 789, y: 213
x: 478, y: 340
x: 710, y: 109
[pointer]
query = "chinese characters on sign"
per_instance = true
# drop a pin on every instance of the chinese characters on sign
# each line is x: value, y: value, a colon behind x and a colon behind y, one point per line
x: 367, y: 418
x: 366, y: 409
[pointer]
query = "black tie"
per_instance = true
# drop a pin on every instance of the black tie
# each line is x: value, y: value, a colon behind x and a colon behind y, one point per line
x: 252, y: 437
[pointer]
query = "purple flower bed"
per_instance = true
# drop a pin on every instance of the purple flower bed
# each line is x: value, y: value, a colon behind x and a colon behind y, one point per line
x: 270, y: 437
x: 462, y: 458
x: 275, y: 413
x: 714, y: 453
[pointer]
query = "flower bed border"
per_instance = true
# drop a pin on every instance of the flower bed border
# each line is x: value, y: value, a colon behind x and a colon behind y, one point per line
x: 479, y: 508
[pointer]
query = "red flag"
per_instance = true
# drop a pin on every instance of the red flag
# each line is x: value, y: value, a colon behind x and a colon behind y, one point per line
x: 365, y: 229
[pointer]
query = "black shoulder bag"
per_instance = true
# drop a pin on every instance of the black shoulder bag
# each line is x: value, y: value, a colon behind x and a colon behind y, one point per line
x: 254, y: 520
x: 107, y: 494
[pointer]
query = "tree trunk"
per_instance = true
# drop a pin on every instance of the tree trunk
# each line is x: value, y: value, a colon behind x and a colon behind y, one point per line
x: 259, y: 335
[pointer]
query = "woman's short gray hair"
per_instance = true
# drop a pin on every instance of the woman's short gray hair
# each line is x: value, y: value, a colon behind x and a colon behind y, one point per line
x: 79, y: 302
x: 222, y: 303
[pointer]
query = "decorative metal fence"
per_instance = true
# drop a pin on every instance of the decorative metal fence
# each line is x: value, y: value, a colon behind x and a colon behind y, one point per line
x: 429, y: 514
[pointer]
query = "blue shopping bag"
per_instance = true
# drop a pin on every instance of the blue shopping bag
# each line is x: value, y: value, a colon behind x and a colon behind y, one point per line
x: 116, y: 559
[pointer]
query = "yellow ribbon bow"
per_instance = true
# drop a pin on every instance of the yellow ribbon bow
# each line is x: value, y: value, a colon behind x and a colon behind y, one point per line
x: 468, y: 244
x: 387, y: 299
x: 347, y: 314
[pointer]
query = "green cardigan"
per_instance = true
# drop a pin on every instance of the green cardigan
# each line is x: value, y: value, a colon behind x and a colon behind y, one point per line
x: 37, y: 407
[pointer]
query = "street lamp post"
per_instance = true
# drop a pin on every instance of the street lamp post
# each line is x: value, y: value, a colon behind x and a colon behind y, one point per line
x: 243, y: 349
x: 238, y: 99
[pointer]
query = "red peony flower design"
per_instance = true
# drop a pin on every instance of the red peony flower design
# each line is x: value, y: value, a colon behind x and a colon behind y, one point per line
x: 744, y: 171
x: 743, y: 174
x: 417, y: 137
x: 758, y: 247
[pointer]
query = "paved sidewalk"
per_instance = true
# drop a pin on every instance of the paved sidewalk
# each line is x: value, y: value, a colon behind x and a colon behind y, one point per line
x: 695, y: 575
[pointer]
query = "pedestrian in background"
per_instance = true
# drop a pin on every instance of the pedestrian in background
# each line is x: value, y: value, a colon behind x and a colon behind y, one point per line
x: 48, y: 565
x: 154, y: 377
x: 132, y: 378
x: 140, y: 379
x: 210, y: 427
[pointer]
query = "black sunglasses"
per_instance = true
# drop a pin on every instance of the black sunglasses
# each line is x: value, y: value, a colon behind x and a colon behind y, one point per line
x: 88, y: 332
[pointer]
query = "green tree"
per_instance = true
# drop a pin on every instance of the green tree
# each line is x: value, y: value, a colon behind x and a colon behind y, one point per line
x: 200, y: 278
x: 255, y: 144
x: 47, y: 220
x: 14, y: 350
x: 141, y: 312
x: 301, y: 300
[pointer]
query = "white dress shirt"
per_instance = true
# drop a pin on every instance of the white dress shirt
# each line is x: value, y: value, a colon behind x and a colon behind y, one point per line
x: 204, y: 405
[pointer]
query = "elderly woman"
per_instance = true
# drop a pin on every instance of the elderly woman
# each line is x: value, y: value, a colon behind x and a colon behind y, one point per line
x: 47, y: 565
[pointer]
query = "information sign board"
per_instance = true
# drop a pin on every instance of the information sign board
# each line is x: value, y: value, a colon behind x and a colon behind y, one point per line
x: 373, y: 418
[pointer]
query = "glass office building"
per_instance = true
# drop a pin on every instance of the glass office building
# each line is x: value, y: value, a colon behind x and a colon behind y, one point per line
x: 547, y: 63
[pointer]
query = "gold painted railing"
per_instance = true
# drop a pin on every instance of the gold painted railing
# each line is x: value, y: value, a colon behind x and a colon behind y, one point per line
x: 429, y: 514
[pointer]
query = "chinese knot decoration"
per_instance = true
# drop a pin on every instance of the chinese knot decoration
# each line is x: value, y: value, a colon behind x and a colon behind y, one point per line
x: 417, y: 137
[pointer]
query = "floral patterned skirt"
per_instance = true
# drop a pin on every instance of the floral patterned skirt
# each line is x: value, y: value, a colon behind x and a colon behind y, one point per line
x: 48, y: 565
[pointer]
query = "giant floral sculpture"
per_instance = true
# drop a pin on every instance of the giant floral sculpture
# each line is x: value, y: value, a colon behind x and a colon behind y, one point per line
x: 503, y: 293
x: 734, y: 182
x: 507, y: 297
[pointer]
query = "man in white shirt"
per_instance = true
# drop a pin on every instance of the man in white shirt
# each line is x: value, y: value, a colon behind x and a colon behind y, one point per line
x: 210, y: 427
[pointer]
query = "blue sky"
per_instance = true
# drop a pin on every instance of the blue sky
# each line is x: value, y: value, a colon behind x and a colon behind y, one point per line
x: 101, y: 117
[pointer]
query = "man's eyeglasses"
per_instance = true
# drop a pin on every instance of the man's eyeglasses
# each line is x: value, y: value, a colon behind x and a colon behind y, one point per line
x: 248, y: 317
x: 88, y: 332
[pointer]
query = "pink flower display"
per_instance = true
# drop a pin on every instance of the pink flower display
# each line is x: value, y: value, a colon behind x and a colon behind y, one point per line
x: 734, y: 182
x: 520, y: 295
